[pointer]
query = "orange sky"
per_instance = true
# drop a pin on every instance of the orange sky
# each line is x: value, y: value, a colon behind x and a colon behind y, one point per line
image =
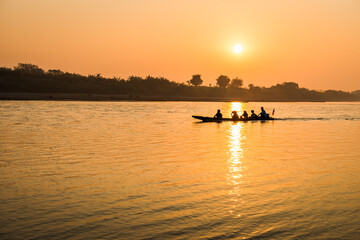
x: 313, y: 43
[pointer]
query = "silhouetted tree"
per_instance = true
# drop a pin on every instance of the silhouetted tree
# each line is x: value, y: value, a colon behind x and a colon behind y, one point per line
x: 288, y: 85
x: 196, y: 80
x: 5, y: 70
x: 55, y: 71
x: 222, y: 81
x: 236, y: 83
x: 135, y: 79
x: 250, y: 86
x: 27, y: 67
x: 357, y: 92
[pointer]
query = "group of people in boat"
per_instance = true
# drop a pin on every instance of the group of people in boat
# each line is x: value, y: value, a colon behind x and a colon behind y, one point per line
x: 245, y: 115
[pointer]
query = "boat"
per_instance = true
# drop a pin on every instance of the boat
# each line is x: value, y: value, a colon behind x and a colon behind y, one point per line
x: 211, y: 119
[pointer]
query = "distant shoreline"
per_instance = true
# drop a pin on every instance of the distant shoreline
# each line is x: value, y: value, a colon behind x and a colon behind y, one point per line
x: 29, y: 82
x: 23, y: 96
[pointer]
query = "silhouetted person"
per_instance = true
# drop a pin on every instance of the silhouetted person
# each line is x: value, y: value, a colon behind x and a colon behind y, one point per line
x: 218, y: 114
x: 245, y: 115
x: 263, y: 114
x: 234, y: 115
x: 253, y: 114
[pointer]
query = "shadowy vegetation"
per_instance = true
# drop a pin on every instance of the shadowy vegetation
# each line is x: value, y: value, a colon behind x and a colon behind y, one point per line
x: 29, y: 78
x: 236, y: 83
x: 196, y: 80
x: 222, y: 81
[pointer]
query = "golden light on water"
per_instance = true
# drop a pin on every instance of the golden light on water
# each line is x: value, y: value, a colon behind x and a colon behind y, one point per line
x: 235, y: 147
x: 236, y: 106
x: 235, y: 162
x: 149, y: 179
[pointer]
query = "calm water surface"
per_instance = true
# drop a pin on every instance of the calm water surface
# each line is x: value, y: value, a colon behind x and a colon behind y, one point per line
x: 147, y: 170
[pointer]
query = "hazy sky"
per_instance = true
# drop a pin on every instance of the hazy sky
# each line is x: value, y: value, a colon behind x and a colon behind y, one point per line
x: 313, y: 43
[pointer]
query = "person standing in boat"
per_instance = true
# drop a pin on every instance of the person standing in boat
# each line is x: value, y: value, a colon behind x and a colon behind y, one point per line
x: 245, y: 115
x: 218, y: 114
x: 234, y: 115
x: 263, y: 114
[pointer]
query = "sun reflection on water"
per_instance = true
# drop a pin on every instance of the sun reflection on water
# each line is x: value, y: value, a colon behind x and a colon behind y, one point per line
x: 235, y: 162
x: 236, y: 106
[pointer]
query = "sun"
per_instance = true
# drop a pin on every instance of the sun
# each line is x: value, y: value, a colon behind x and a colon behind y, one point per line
x: 238, y: 48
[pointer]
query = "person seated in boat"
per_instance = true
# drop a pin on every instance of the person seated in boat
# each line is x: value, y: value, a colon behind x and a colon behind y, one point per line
x: 218, y: 114
x: 234, y: 115
x: 263, y: 114
x: 253, y: 115
x: 245, y: 115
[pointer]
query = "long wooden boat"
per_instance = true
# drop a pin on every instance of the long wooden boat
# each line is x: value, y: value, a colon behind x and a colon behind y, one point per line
x: 211, y: 119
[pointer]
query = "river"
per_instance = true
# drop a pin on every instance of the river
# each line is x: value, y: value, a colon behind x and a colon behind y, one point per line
x: 147, y: 170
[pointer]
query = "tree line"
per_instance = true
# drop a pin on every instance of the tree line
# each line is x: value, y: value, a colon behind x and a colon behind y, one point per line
x: 30, y: 78
x: 221, y: 81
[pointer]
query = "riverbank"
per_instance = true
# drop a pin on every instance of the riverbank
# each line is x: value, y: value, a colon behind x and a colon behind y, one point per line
x: 106, y: 97
x: 123, y: 97
x: 29, y: 82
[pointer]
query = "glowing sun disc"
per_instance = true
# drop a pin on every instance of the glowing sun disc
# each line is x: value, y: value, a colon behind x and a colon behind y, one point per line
x: 238, y: 48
